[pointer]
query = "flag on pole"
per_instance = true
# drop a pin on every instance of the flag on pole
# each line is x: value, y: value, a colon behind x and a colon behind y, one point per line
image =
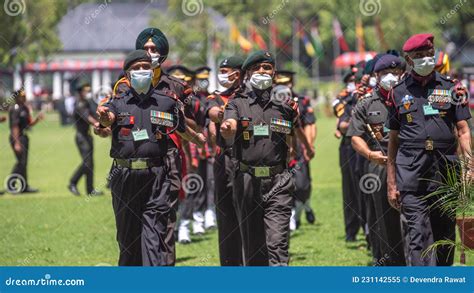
x: 257, y: 38
x: 318, y: 45
x: 339, y: 35
x: 380, y: 35
x: 274, y: 37
x: 359, y: 30
x: 237, y: 37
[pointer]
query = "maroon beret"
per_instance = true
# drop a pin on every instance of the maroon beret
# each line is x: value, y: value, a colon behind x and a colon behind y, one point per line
x: 419, y: 42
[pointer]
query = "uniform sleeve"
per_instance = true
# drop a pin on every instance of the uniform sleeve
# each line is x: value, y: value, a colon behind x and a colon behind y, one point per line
x: 357, y: 122
x: 181, y: 123
x: 461, y: 112
x: 231, y: 110
x: 393, y: 121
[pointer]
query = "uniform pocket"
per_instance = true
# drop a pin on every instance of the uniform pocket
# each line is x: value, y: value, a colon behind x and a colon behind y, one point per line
x: 405, y: 157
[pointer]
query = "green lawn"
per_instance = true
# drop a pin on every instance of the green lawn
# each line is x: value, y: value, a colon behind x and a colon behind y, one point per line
x: 56, y: 228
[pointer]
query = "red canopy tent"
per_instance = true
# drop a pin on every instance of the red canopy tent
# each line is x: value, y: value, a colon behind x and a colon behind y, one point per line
x: 351, y: 58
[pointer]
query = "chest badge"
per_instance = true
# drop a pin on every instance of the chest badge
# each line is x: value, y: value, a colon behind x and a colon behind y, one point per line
x: 407, y: 101
x: 161, y: 118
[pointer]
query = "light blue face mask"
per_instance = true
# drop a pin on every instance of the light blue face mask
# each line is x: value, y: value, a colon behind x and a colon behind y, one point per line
x: 141, y: 80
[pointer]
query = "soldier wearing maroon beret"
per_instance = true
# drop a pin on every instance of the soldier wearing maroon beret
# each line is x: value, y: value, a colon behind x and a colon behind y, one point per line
x: 427, y: 122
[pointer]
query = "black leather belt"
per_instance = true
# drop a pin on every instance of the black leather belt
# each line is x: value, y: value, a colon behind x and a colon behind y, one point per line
x: 139, y: 163
x: 427, y: 144
x: 262, y: 171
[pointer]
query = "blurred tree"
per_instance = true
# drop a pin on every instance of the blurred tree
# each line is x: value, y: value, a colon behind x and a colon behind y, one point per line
x: 29, y: 30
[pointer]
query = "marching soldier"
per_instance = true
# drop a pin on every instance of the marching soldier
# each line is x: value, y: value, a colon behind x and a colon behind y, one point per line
x: 83, y: 119
x: 425, y: 114
x: 21, y: 121
x: 370, y: 139
x: 263, y: 184
x: 141, y: 121
x: 230, y: 242
x: 302, y: 172
x: 351, y: 206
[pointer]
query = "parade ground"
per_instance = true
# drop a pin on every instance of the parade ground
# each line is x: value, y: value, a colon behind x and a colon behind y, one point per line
x: 55, y: 228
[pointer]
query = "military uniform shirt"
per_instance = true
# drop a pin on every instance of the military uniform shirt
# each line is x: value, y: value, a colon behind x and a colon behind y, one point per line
x: 141, y: 126
x: 19, y: 116
x: 263, y: 141
x: 372, y: 111
x: 82, y: 110
x: 422, y: 112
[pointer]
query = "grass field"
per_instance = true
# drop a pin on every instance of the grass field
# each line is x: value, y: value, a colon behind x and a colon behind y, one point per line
x: 55, y: 228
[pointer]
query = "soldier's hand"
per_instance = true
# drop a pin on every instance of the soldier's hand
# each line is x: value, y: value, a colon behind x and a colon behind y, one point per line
x: 308, y: 153
x: 337, y: 134
x: 200, y: 139
x: 102, y: 132
x: 394, y: 197
x: 378, y: 158
x: 226, y: 129
x: 40, y: 116
x: 105, y: 116
x: 17, y: 147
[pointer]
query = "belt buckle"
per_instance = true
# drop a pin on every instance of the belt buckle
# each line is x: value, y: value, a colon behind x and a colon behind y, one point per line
x: 262, y: 171
x: 139, y: 164
x: 429, y: 145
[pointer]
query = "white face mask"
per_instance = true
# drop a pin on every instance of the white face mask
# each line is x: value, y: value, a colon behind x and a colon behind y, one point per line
x: 351, y: 86
x: 89, y: 95
x: 155, y: 60
x: 373, y: 81
x: 141, y: 80
x: 224, y: 81
x: 261, y: 81
x: 424, y: 66
x: 387, y: 81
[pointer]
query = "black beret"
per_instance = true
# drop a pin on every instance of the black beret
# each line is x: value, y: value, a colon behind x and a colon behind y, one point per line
x: 232, y: 62
x: 369, y: 66
x: 258, y: 57
x: 387, y: 61
x: 134, y: 56
x: 82, y: 84
x: 157, y: 37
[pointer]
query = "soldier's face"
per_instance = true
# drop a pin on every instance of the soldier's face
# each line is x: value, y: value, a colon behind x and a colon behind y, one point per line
x: 262, y: 68
x: 395, y: 71
x: 140, y: 65
x: 232, y: 73
x: 150, y: 47
x: 418, y: 54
